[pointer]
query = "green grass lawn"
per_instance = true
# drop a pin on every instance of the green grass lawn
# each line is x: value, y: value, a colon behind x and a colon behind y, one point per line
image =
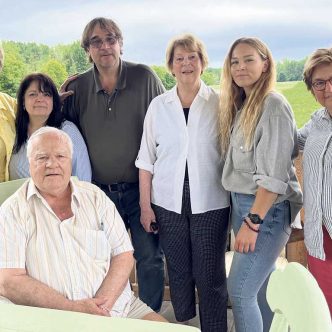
x: 301, y: 100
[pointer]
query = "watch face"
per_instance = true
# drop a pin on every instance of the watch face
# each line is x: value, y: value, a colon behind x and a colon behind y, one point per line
x: 255, y: 218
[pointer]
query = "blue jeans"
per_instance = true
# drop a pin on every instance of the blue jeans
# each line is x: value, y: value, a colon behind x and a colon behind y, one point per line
x: 148, y: 254
x: 249, y: 272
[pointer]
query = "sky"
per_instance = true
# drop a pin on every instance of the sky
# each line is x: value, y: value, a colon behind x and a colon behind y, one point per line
x: 291, y: 28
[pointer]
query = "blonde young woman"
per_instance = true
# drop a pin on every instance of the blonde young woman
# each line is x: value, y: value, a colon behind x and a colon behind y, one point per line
x: 258, y: 141
x: 180, y: 169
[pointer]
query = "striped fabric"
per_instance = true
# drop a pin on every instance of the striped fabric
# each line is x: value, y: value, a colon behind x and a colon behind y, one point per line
x: 72, y: 256
x: 315, y: 138
x: 19, y: 164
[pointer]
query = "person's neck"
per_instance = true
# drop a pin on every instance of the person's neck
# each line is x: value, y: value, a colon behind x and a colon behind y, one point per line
x: 59, y: 202
x: 35, y: 124
x: 187, y: 93
x: 247, y: 92
x: 108, y: 78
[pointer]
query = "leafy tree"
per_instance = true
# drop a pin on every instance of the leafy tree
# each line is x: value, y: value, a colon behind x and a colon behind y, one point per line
x: 166, y: 78
x: 80, y: 58
x: 56, y: 70
x: 74, y: 57
x: 34, y: 55
x: 13, y: 71
x: 290, y: 70
x: 281, y: 77
x: 211, y: 76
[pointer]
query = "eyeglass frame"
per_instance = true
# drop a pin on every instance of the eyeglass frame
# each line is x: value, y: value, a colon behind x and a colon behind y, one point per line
x: 190, y: 58
x: 99, y: 41
x: 323, y: 82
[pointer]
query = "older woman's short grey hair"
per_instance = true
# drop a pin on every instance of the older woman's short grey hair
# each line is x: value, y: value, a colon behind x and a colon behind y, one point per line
x: 50, y: 130
x: 190, y: 43
x: 322, y: 56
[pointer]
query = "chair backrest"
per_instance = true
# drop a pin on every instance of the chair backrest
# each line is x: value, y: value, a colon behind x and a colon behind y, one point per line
x: 8, y: 188
x: 28, y: 319
x: 297, y: 301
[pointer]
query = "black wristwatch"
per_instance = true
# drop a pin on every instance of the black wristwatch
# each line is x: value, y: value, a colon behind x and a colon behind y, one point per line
x: 255, y: 218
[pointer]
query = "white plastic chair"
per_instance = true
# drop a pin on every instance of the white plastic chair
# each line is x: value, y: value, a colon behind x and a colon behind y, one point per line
x: 297, y: 301
x: 16, y: 318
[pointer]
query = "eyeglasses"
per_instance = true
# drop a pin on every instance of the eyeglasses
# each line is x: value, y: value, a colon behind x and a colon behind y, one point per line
x: 320, y: 85
x: 191, y: 58
x: 97, y: 42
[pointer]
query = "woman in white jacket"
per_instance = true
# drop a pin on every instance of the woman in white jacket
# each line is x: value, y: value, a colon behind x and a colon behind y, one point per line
x: 180, y: 187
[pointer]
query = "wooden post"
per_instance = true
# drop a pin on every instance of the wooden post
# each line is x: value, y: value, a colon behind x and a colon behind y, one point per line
x: 295, y: 248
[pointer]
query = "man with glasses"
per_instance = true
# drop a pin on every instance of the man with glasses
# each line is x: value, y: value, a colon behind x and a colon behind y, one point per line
x: 109, y: 105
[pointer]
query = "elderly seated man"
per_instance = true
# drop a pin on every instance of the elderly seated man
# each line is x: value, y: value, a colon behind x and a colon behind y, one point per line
x: 63, y: 244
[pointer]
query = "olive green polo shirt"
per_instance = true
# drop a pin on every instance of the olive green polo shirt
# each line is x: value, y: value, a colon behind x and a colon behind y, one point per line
x: 112, y: 124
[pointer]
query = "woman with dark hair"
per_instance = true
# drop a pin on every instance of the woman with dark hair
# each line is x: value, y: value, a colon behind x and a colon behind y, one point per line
x: 38, y: 105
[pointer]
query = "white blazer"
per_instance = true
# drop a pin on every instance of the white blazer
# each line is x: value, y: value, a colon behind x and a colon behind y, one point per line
x: 168, y: 143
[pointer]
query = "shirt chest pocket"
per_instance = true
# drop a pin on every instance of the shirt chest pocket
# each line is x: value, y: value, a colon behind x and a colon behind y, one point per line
x: 92, y: 243
x: 243, y: 158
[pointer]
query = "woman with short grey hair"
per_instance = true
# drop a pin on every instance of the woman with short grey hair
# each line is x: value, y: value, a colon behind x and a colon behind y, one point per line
x: 315, y: 138
x: 180, y: 189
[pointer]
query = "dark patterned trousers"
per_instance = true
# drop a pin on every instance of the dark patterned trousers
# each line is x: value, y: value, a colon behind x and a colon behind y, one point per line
x: 194, y: 247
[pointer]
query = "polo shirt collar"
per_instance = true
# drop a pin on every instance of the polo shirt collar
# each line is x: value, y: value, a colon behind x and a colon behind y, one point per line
x: 33, y: 191
x: 122, y: 80
x: 203, y: 92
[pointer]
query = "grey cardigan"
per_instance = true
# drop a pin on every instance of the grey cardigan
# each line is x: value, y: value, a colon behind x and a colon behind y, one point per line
x: 269, y: 162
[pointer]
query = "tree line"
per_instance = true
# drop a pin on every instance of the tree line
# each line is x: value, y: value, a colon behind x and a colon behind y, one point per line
x: 62, y: 60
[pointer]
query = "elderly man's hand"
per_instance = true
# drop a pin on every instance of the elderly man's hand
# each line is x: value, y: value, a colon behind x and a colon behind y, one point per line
x: 91, y: 306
